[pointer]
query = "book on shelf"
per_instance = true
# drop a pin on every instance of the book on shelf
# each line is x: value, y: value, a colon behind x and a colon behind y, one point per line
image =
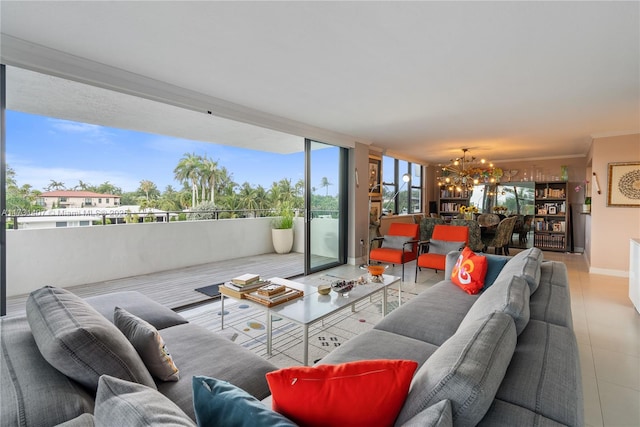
x: 287, y: 295
x: 251, y: 286
x: 246, y: 279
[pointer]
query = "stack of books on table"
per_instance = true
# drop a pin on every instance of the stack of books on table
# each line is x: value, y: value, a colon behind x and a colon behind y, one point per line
x: 239, y: 286
x: 273, y: 294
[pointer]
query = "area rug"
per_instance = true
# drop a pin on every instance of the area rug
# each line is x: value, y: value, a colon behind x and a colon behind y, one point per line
x: 210, y: 291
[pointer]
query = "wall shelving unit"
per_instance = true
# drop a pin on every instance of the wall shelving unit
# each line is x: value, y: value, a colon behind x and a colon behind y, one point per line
x: 552, y: 221
x: 450, y: 200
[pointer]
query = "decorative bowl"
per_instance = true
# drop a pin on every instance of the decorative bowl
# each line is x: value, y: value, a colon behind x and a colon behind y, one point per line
x: 324, y: 289
x: 376, y: 270
x: 343, y: 287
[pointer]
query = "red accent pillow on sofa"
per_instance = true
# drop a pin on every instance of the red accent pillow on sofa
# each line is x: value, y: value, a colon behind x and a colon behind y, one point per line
x: 469, y: 271
x: 362, y: 393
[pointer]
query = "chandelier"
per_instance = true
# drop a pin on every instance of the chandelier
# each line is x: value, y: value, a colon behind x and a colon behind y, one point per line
x: 465, y: 172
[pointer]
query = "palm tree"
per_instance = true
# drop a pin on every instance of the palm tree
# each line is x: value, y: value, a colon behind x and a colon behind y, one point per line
x: 325, y: 184
x: 148, y: 188
x: 209, y: 171
x: 55, y: 185
x: 187, y: 171
x: 247, y: 198
x: 81, y: 185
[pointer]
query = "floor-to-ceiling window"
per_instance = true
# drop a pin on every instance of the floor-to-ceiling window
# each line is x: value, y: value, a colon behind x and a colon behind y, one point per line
x: 68, y: 136
x: 326, y: 205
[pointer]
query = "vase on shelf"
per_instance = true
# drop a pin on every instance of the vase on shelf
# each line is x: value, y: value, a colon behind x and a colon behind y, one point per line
x: 586, y: 206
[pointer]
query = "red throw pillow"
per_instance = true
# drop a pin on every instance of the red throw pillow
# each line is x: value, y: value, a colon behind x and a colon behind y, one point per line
x: 362, y: 393
x: 469, y: 271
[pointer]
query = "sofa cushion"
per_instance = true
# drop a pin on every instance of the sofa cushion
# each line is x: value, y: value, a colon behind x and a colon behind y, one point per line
x: 84, y: 420
x: 544, y: 374
x: 219, y: 403
x: 504, y: 414
x: 148, y: 343
x: 342, y: 395
x: 552, y: 302
x: 443, y: 302
x: 438, y: 415
x: 376, y: 344
x: 198, y: 351
x: 79, y: 342
x: 507, y: 296
x: 525, y: 264
x: 123, y: 403
x: 137, y: 304
x: 469, y: 272
x: 32, y: 392
x: 467, y: 369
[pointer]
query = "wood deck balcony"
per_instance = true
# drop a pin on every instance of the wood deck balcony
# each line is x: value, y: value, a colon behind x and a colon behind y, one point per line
x: 176, y: 288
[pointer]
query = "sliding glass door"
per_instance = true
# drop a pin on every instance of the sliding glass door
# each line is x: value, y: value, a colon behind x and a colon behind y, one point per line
x: 326, y: 207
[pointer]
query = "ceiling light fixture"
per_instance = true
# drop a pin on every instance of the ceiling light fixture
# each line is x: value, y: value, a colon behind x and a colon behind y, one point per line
x: 465, y: 172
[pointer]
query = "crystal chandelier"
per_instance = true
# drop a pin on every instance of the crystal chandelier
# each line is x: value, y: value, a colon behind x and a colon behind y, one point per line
x: 465, y: 172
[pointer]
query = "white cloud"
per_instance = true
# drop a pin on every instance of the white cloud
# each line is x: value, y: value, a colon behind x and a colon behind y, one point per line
x: 89, y: 132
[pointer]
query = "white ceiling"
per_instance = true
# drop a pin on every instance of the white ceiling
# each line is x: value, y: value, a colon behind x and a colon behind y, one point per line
x: 510, y: 80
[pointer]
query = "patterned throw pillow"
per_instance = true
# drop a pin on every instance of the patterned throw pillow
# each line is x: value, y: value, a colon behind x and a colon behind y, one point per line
x: 469, y: 271
x: 362, y: 393
x: 148, y: 343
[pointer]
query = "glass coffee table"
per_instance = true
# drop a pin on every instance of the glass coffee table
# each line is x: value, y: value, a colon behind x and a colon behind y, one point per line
x: 313, y: 307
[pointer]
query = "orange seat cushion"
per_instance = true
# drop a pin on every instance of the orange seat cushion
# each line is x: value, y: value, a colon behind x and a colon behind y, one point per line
x: 435, y: 261
x: 393, y: 256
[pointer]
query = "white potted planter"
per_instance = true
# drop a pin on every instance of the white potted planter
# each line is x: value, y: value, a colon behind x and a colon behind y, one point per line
x: 282, y: 240
x: 282, y: 231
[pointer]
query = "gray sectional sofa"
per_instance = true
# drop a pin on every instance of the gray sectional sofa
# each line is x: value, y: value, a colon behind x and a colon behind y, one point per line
x: 34, y: 393
x: 505, y: 357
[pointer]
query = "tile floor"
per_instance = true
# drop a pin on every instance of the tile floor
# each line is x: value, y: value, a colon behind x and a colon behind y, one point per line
x: 606, y: 324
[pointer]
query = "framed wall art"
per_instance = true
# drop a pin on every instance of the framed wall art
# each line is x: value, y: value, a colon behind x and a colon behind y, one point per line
x: 623, y: 184
x: 375, y: 176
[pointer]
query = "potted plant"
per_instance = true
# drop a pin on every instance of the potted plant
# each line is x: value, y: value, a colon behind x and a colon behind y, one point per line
x: 282, y: 230
x: 586, y: 206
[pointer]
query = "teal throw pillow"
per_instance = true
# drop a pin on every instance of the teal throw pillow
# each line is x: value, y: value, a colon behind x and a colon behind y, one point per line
x: 494, y: 267
x: 218, y: 403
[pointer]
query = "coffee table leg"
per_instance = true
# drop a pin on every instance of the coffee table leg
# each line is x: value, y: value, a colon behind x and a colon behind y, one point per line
x: 269, y: 332
x: 384, y: 301
x: 305, y: 344
x: 221, y: 311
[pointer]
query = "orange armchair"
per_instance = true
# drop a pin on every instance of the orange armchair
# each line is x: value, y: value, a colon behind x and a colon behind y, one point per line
x: 445, y: 238
x: 399, y: 246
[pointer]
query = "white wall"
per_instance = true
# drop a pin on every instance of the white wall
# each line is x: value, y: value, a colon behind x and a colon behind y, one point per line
x: 73, y: 256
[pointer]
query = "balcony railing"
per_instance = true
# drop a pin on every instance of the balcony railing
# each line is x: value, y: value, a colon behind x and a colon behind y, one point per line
x: 73, y: 256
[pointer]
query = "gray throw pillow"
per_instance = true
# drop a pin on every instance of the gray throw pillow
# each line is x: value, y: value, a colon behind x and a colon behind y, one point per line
x: 506, y: 296
x: 467, y: 369
x: 148, y: 343
x: 78, y: 341
x: 123, y: 403
x: 438, y: 415
x: 443, y: 247
x: 395, y: 242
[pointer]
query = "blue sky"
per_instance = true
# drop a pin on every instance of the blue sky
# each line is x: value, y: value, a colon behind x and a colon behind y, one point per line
x: 41, y: 149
